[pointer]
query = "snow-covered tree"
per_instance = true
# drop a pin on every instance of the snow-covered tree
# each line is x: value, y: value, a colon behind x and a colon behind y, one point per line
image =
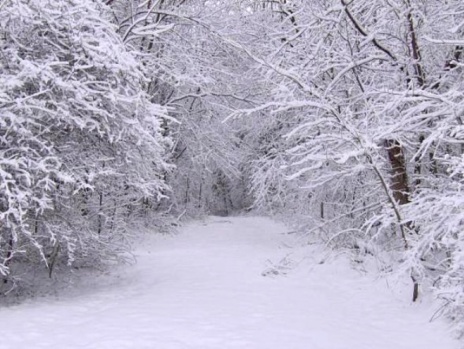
x: 80, y: 141
x: 367, y: 95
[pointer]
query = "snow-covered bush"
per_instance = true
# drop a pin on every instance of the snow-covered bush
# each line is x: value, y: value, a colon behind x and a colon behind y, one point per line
x: 81, y: 148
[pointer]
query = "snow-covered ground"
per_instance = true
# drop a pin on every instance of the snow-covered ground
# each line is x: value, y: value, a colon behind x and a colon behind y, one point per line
x: 204, y: 288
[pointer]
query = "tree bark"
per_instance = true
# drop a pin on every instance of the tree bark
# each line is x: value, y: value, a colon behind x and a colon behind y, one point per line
x: 399, y: 177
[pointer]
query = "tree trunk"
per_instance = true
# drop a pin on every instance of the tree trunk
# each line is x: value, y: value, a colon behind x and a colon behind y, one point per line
x: 399, y: 177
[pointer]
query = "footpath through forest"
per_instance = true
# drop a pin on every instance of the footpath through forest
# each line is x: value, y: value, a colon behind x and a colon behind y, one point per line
x: 227, y: 283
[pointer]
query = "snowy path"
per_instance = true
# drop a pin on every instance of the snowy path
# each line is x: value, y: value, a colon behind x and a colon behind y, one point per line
x: 203, y: 289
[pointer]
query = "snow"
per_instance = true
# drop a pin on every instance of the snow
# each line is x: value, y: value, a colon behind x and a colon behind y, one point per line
x: 213, y: 286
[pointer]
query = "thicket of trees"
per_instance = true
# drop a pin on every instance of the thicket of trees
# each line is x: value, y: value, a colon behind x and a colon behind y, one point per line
x: 81, y: 144
x: 369, y: 104
x: 346, y: 115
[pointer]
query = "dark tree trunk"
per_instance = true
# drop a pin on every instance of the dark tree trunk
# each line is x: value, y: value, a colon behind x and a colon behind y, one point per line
x: 399, y: 177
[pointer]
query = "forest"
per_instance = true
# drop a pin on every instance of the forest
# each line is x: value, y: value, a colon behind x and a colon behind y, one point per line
x: 343, y: 118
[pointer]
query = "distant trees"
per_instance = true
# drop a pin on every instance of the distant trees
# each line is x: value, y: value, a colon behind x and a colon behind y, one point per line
x: 200, y: 79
